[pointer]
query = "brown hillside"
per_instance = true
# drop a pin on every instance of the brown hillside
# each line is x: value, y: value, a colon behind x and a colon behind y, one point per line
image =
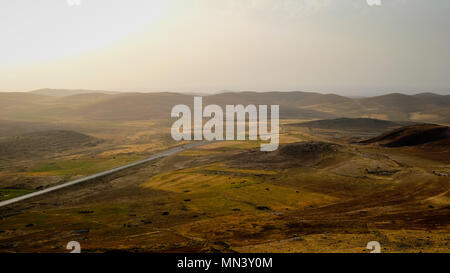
x: 429, y: 134
x: 352, y: 124
x: 423, y: 108
x: 44, y: 142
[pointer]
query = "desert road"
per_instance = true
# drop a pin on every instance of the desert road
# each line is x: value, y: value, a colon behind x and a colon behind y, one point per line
x: 104, y: 173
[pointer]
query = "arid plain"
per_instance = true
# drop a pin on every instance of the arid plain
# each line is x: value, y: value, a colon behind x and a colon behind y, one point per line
x: 382, y: 174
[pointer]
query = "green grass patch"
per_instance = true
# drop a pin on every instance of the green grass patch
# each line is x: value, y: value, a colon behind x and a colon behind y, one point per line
x: 6, y: 194
x: 217, y: 189
x: 83, y: 166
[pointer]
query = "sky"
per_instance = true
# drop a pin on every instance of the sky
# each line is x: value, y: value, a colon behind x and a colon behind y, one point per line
x: 205, y: 46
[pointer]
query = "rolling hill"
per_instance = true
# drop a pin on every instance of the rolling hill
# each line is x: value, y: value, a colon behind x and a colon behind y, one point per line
x: 303, y: 105
x: 44, y: 142
x: 10, y: 128
x: 48, y: 104
x: 424, y: 134
x: 366, y: 124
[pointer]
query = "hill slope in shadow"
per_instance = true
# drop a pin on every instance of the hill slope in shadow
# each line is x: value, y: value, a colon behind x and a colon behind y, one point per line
x: 352, y: 124
x: 423, y: 134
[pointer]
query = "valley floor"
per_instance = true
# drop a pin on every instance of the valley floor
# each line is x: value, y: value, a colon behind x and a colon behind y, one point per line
x: 309, y: 196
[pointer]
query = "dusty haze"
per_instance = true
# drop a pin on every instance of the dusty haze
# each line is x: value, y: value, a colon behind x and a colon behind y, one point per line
x: 344, y: 47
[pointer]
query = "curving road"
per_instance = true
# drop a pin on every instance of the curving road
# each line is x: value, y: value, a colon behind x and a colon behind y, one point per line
x: 97, y: 175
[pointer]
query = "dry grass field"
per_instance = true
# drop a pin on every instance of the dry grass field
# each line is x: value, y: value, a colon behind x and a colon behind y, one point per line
x: 321, y: 191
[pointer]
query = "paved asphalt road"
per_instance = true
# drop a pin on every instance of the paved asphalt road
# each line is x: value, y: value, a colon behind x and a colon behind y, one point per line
x: 94, y: 176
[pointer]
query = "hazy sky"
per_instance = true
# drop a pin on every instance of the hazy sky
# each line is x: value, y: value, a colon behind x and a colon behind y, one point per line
x: 338, y: 46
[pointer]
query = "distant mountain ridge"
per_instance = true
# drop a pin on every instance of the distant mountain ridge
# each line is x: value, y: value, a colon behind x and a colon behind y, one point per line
x: 292, y: 105
x: 69, y: 92
x: 105, y: 105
